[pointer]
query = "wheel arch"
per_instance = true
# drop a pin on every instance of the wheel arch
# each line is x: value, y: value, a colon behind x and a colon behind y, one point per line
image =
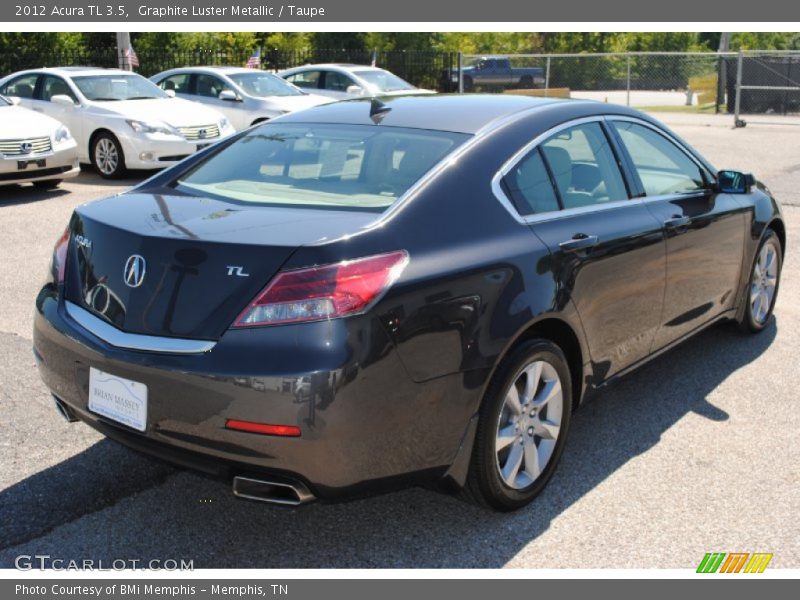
x: 777, y: 225
x: 94, y: 135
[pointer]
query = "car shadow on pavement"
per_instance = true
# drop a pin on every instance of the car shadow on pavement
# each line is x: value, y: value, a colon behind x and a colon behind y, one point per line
x: 149, y: 513
x: 12, y: 195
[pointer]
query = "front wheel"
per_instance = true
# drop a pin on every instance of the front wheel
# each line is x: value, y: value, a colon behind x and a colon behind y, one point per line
x: 522, y: 427
x: 763, y: 284
x: 107, y: 156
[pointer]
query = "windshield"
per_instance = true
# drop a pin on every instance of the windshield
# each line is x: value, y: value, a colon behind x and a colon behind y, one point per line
x: 119, y: 86
x: 384, y: 81
x: 264, y: 84
x: 360, y: 167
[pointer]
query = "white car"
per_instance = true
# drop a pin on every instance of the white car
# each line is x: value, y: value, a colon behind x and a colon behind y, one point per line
x: 34, y: 148
x: 245, y: 96
x: 341, y: 81
x: 119, y: 119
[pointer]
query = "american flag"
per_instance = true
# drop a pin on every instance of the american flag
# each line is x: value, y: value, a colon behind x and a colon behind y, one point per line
x: 254, y: 62
x: 130, y: 56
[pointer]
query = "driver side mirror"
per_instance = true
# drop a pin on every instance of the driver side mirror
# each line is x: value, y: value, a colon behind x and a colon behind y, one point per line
x: 355, y: 90
x: 63, y: 100
x: 15, y: 100
x: 229, y: 96
x: 170, y: 93
x: 735, y: 182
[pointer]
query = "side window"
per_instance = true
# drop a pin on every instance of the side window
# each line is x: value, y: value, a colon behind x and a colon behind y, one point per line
x: 306, y: 79
x: 55, y: 86
x: 529, y: 186
x: 584, y: 167
x: 177, y: 83
x: 337, y: 82
x: 22, y: 87
x: 663, y: 168
x: 209, y: 86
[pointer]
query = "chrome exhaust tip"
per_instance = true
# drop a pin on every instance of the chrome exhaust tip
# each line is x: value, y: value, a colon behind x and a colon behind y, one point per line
x: 64, y: 410
x: 286, y: 493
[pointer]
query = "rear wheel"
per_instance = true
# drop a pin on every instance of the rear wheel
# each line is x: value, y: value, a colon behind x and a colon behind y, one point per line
x: 107, y: 156
x: 522, y: 427
x: 762, y: 290
x: 526, y: 83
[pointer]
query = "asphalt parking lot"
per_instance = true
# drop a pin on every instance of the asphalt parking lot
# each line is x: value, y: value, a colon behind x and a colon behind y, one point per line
x: 696, y: 452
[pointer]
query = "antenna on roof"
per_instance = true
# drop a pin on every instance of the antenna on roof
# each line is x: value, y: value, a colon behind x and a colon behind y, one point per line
x: 378, y: 110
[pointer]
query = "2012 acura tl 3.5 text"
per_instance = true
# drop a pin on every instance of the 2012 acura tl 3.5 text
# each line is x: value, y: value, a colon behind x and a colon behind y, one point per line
x: 381, y: 292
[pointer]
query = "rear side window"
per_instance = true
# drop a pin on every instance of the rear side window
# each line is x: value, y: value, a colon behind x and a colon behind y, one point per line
x: 584, y: 166
x: 337, y: 166
x: 663, y: 168
x: 529, y: 186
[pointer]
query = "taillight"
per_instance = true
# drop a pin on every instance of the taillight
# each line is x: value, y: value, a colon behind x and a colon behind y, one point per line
x: 59, y: 260
x: 263, y: 428
x: 324, y: 292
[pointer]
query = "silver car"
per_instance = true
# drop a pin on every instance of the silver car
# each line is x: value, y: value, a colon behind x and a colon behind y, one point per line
x: 244, y: 96
x: 342, y: 81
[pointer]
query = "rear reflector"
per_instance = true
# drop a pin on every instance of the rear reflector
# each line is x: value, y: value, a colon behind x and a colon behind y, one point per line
x: 263, y: 428
x: 59, y: 260
x: 324, y: 292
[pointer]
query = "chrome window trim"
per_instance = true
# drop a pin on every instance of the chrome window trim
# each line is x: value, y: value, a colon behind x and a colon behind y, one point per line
x: 501, y: 196
x: 134, y: 341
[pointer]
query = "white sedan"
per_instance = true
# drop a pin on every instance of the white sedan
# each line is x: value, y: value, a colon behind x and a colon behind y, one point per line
x: 119, y: 119
x: 245, y: 96
x: 34, y: 148
x: 342, y: 81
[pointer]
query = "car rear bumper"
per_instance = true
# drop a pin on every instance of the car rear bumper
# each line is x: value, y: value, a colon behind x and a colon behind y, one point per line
x: 364, y: 424
x: 59, y: 164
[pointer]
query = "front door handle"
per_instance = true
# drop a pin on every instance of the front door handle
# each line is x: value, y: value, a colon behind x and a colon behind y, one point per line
x: 579, y: 241
x: 677, y: 221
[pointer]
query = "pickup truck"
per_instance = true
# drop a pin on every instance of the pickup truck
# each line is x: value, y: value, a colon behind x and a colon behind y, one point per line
x: 497, y: 72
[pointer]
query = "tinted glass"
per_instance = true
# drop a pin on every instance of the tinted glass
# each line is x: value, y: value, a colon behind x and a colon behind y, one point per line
x: 22, y: 87
x: 209, y: 86
x: 337, y: 166
x: 662, y: 167
x: 584, y: 166
x: 119, y: 86
x: 177, y: 83
x: 384, y: 81
x: 337, y: 82
x: 306, y: 79
x: 264, y: 84
x: 55, y: 86
x: 529, y: 186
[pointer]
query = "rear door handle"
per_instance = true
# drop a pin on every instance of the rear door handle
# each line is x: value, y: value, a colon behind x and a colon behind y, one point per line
x: 677, y: 221
x: 579, y: 241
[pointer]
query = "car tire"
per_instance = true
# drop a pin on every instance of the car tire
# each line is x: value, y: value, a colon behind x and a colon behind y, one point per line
x: 48, y: 184
x: 107, y: 156
x: 499, y: 475
x: 763, y: 284
x: 526, y: 83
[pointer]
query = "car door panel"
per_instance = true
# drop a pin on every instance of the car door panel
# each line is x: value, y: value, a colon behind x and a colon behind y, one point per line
x: 704, y: 229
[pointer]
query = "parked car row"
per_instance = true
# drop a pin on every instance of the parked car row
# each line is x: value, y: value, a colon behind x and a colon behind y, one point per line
x: 117, y: 120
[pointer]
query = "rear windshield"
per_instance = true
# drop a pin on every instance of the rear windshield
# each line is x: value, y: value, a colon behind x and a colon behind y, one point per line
x: 359, y: 167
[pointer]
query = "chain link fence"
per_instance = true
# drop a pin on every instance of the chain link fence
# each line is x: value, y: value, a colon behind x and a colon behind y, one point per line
x: 705, y: 82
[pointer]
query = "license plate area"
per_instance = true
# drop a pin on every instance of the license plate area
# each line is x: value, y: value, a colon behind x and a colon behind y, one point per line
x: 23, y: 164
x: 118, y: 399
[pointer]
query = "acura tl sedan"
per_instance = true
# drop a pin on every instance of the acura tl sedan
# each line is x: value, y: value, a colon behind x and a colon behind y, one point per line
x: 34, y: 148
x: 120, y: 120
x: 343, y: 81
x: 244, y: 96
x: 373, y: 294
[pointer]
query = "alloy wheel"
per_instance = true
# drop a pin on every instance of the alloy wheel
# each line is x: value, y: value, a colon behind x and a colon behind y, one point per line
x: 106, y: 156
x: 764, y: 282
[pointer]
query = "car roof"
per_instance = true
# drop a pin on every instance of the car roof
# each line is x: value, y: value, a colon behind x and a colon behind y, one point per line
x: 225, y: 70
x: 461, y: 113
x: 342, y: 66
x: 71, y: 71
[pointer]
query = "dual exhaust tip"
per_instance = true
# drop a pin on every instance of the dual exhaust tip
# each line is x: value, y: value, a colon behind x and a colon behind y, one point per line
x: 286, y: 493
